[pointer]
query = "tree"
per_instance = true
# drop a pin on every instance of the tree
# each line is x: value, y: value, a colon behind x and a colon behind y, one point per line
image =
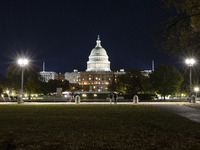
x: 166, y: 80
x: 131, y: 82
x: 146, y: 86
x: 65, y: 85
x: 44, y: 88
x: 121, y: 83
x: 52, y: 85
x: 134, y: 82
x: 181, y: 33
x: 3, y: 82
x: 14, y: 76
x: 33, y: 85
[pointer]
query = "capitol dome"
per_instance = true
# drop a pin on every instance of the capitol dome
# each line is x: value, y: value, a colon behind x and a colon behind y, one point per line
x: 98, y: 59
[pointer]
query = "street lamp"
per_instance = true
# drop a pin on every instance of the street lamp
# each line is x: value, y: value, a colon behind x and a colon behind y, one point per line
x: 196, y: 89
x: 190, y: 62
x: 8, y: 93
x: 23, y: 62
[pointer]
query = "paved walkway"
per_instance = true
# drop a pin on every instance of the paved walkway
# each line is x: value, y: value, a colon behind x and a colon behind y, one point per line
x: 130, y: 103
x: 184, y: 111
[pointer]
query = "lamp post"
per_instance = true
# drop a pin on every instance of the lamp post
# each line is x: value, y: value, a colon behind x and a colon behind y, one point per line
x: 23, y: 62
x: 190, y: 62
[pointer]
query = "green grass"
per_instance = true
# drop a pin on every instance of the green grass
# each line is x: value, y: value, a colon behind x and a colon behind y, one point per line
x: 95, y: 127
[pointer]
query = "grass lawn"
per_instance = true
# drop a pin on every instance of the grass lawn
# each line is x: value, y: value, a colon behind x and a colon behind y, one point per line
x: 95, y: 127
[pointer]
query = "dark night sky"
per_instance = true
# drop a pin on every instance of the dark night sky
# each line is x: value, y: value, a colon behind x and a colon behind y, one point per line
x: 63, y: 32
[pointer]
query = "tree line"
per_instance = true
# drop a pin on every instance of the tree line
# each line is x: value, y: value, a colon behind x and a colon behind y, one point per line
x: 33, y: 81
x: 165, y: 80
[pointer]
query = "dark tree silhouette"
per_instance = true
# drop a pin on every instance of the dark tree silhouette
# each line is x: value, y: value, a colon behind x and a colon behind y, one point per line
x: 181, y: 33
x: 166, y: 80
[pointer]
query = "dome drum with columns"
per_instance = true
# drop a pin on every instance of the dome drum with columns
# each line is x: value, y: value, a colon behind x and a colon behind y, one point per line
x: 98, y: 59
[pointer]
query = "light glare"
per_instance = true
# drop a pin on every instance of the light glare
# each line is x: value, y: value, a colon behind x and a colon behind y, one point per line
x: 196, y: 89
x: 190, y: 61
x: 23, y: 62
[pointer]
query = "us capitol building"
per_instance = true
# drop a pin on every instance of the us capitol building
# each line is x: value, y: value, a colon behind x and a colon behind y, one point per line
x: 97, y: 75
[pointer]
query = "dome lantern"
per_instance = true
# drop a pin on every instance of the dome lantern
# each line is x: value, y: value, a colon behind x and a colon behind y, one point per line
x: 98, y: 42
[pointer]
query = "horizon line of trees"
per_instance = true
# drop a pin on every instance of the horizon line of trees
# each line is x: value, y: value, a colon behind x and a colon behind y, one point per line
x: 165, y: 80
x: 33, y: 81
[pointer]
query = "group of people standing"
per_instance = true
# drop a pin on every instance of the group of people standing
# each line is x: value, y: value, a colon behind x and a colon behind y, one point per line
x: 113, y: 95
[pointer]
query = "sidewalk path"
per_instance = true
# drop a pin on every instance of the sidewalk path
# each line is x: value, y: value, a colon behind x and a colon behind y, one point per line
x: 184, y: 111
